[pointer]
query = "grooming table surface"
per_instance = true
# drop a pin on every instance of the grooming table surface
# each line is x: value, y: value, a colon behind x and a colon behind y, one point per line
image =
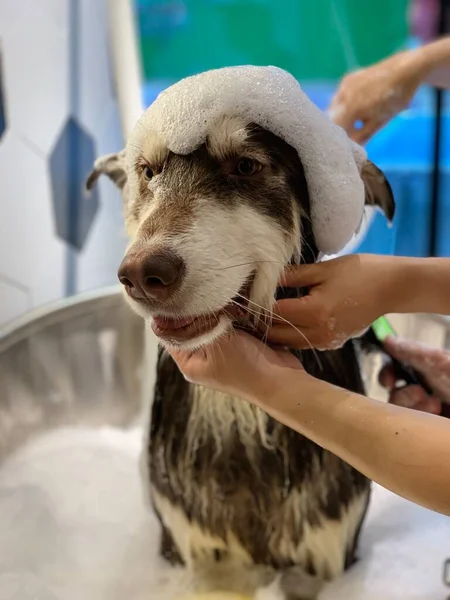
x: 73, y: 525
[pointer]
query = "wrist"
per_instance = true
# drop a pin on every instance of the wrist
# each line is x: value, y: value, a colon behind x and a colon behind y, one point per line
x: 279, y: 382
x: 411, y: 67
x: 422, y: 61
x: 398, y: 281
x: 430, y: 285
x: 315, y: 408
x: 409, y: 283
x: 433, y: 56
x: 386, y: 283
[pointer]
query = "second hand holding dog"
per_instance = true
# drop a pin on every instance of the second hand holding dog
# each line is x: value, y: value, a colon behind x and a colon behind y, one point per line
x: 347, y: 294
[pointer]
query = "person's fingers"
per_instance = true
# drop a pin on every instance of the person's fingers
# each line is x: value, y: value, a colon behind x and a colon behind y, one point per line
x: 408, y: 396
x: 188, y: 366
x: 336, y: 102
x: 197, y: 364
x: 387, y: 377
x: 416, y: 355
x: 181, y: 357
x: 364, y: 133
x: 431, y: 405
x: 295, y: 311
x: 302, y: 275
x: 342, y: 116
x: 416, y: 398
x: 284, y: 335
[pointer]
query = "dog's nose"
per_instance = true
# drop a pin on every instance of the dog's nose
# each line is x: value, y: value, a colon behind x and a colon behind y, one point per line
x: 151, y: 276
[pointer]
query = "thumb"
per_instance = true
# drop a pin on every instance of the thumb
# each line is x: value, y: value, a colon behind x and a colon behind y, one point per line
x: 386, y: 377
x: 303, y: 275
x: 363, y: 134
x: 345, y: 121
x: 187, y: 361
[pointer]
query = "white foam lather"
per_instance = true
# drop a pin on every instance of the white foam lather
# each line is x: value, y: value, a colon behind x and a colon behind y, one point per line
x: 183, y: 115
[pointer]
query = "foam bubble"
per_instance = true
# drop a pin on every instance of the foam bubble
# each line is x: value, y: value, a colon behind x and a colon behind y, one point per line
x: 183, y: 115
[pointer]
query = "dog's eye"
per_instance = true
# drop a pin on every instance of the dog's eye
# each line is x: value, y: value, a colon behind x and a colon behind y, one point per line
x: 247, y: 166
x: 148, y: 173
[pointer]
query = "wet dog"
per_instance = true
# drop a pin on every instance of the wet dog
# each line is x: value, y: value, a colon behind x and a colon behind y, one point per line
x: 242, y: 499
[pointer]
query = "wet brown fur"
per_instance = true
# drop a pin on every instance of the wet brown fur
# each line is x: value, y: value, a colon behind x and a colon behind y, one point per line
x: 268, y: 494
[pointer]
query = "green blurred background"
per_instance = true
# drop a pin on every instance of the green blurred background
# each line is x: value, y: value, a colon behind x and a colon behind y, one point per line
x: 318, y: 41
x: 313, y: 39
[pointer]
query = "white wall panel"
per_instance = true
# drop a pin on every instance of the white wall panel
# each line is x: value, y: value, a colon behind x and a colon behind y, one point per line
x: 56, y: 78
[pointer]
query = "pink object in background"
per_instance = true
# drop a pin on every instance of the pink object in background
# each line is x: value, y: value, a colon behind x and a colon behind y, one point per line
x: 424, y: 19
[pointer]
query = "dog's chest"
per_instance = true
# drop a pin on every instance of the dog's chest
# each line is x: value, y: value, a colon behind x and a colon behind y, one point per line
x: 227, y: 479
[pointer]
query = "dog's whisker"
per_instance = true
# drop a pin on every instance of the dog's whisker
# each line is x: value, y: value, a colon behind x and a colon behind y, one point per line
x: 272, y: 314
x: 252, y: 262
x: 253, y: 313
x: 308, y: 245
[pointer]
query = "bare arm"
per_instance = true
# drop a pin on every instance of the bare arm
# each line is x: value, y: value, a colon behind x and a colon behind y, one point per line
x: 377, y: 93
x: 405, y: 451
x: 427, y: 286
x: 435, y: 59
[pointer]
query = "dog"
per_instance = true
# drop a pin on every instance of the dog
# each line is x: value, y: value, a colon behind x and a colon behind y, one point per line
x: 242, y: 500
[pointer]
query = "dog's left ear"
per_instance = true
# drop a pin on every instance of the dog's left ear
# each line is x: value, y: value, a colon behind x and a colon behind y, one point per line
x: 111, y: 165
x: 378, y: 191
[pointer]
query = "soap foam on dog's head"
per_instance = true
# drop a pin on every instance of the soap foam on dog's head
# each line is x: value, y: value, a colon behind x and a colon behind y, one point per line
x: 184, y: 114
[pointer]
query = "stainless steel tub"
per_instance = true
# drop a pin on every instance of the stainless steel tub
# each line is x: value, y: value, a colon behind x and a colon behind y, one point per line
x: 74, y: 362
x: 79, y: 362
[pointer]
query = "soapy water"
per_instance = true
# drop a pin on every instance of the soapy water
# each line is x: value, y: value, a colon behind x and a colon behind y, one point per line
x: 74, y: 525
x: 183, y: 115
x: 331, y: 324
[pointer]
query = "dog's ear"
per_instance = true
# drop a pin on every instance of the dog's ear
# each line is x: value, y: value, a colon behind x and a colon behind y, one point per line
x: 378, y: 190
x: 111, y: 165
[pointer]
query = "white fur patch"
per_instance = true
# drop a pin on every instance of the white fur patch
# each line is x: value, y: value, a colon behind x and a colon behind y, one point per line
x: 215, y: 414
x: 191, y: 540
x: 227, y: 135
x: 221, y: 250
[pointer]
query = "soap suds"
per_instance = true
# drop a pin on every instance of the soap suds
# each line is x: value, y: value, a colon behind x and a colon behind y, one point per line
x: 74, y: 525
x: 183, y: 115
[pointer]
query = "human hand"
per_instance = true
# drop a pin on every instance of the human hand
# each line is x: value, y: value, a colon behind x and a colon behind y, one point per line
x: 237, y: 364
x: 376, y: 94
x: 434, y: 366
x: 346, y: 295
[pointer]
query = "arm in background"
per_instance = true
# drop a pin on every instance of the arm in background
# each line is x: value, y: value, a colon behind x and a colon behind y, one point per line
x: 374, y: 95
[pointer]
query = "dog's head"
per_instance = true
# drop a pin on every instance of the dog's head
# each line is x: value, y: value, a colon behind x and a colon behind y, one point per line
x: 212, y: 231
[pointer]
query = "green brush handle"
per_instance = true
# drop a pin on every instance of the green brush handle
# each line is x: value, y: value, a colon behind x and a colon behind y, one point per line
x: 383, y: 329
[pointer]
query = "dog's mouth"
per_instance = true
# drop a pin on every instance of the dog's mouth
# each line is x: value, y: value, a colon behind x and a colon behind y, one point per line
x: 177, y: 330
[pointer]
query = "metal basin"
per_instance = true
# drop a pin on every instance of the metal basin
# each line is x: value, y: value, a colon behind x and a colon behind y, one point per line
x: 79, y: 363
x: 74, y: 362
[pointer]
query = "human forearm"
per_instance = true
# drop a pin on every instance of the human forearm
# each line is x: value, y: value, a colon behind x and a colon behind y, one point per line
x: 433, y: 61
x: 403, y: 450
x: 416, y: 285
